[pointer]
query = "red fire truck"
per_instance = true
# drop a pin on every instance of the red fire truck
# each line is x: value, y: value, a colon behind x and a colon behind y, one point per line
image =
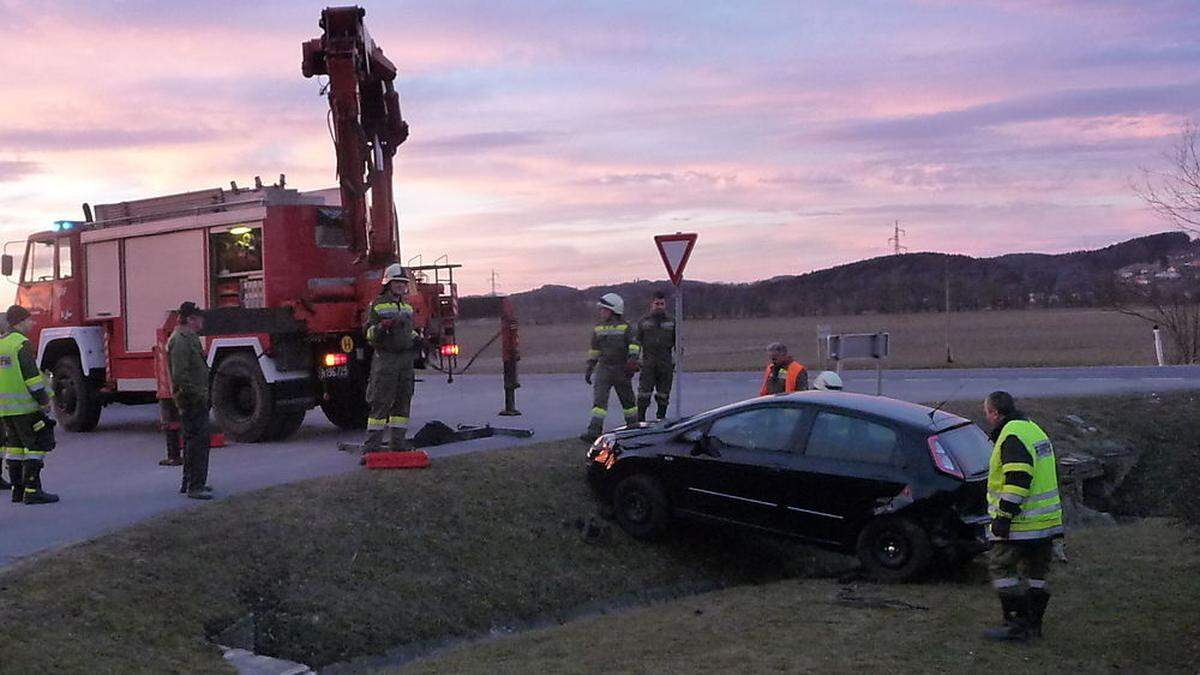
x: 285, y: 275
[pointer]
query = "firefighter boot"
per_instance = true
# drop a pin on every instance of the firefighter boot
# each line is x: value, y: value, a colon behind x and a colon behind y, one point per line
x: 1038, y: 598
x: 398, y: 440
x: 1015, y: 606
x: 15, y: 471
x: 32, y: 478
x: 374, y: 442
x: 662, y: 410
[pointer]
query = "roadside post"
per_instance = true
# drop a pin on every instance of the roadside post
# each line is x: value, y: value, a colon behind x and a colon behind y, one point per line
x: 861, y: 346
x: 675, y: 250
x: 1158, y: 346
x: 824, y: 330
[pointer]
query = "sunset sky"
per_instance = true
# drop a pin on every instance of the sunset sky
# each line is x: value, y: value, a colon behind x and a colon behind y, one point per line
x: 551, y: 140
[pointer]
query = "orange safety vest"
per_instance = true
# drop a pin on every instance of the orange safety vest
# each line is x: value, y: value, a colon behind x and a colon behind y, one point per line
x: 791, y: 379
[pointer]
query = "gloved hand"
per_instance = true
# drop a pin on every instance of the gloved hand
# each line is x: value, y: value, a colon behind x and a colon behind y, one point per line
x: 1001, y: 527
x: 632, y: 366
x: 587, y: 377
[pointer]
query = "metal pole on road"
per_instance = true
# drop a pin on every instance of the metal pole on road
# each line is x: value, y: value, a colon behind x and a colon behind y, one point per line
x: 679, y: 351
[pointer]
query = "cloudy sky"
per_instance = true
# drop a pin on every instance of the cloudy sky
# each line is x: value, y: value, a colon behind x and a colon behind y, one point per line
x: 551, y: 140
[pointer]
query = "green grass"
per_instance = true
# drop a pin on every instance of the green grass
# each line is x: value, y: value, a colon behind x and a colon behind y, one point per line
x: 349, y: 566
x: 1126, y: 603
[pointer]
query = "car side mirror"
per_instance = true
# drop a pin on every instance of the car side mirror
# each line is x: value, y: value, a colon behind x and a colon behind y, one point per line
x: 705, y: 445
x: 6, y: 265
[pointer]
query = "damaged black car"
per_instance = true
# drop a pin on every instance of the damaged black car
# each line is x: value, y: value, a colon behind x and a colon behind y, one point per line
x: 900, y: 485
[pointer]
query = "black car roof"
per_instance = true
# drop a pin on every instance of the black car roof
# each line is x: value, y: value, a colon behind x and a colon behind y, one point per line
x: 904, y: 412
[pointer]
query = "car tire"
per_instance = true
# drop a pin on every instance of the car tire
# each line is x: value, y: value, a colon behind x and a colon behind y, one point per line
x: 641, y: 508
x: 347, y: 406
x: 241, y: 399
x: 76, y: 397
x: 894, y: 549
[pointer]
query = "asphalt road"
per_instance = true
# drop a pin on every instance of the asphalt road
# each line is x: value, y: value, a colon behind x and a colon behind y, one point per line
x: 109, y: 479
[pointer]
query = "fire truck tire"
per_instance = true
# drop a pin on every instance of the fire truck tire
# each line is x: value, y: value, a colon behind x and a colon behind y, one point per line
x: 347, y: 407
x: 284, y: 424
x: 242, y: 401
x: 76, y: 398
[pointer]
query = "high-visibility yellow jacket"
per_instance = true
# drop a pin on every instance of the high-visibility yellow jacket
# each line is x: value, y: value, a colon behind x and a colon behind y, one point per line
x: 1023, y: 481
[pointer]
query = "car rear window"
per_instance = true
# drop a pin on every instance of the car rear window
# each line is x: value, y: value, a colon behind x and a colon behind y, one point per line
x: 969, y: 446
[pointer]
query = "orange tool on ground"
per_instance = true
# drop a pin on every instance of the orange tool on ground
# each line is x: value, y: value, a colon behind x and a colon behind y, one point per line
x: 410, y: 459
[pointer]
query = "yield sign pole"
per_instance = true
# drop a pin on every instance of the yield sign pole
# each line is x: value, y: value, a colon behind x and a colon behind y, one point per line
x: 675, y: 250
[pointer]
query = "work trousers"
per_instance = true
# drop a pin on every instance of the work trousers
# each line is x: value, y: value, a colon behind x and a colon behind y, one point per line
x: 655, y: 381
x: 1012, y: 562
x: 389, y: 397
x: 196, y: 439
x: 604, y: 379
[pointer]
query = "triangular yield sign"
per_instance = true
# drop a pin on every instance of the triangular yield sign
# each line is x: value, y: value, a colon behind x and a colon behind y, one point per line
x: 675, y: 249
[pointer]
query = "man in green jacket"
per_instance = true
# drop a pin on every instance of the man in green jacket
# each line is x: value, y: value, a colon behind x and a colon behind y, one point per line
x: 189, y: 387
x: 390, y: 332
x: 1027, y: 516
x: 24, y: 404
x: 656, y: 335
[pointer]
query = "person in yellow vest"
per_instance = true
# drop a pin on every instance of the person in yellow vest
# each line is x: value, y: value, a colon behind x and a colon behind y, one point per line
x: 1027, y: 516
x: 24, y: 408
x: 783, y: 374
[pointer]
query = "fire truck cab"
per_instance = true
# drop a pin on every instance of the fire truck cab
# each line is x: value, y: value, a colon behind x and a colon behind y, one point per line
x: 284, y: 293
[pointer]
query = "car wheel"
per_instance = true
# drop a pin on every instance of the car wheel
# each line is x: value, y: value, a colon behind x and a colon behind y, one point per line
x: 894, y: 549
x: 640, y: 506
x: 76, y: 398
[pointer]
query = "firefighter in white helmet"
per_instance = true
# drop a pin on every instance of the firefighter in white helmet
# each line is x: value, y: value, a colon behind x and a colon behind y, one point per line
x: 390, y: 332
x: 611, y: 363
x: 828, y: 381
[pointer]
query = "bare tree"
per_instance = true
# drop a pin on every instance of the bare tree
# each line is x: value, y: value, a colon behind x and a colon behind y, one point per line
x: 1174, y: 192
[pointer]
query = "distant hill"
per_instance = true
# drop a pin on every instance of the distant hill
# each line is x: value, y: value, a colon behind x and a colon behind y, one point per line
x: 910, y: 282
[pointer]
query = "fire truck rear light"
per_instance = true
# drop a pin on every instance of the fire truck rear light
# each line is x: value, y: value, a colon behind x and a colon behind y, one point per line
x: 450, y: 350
x: 942, y: 459
x: 336, y: 359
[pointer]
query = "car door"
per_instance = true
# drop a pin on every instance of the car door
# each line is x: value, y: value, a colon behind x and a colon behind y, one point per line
x: 846, y: 469
x: 739, y: 476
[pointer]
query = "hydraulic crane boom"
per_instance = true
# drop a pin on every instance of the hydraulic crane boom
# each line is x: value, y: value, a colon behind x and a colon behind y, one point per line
x: 367, y: 127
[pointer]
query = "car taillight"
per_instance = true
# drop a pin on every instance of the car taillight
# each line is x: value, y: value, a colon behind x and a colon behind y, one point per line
x: 449, y: 350
x: 336, y: 359
x: 942, y: 459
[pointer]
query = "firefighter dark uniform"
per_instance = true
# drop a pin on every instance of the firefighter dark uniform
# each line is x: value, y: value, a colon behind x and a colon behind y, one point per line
x: 784, y: 379
x: 389, y: 330
x: 28, y: 432
x: 1026, y: 511
x: 189, y: 389
x: 656, y: 336
x: 614, y: 348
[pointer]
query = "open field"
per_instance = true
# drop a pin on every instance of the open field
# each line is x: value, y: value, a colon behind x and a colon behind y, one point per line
x: 338, y: 568
x: 1066, y: 337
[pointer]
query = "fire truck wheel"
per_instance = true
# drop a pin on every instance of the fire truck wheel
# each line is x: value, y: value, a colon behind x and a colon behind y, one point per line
x: 241, y: 399
x: 346, y: 407
x: 284, y: 425
x: 76, y: 399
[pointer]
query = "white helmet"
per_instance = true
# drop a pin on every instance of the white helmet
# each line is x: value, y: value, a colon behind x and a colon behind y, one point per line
x: 394, y: 272
x: 612, y: 301
x: 828, y: 381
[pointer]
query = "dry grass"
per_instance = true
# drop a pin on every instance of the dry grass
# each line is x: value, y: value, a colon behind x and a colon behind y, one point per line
x: 978, y: 340
x: 1126, y: 603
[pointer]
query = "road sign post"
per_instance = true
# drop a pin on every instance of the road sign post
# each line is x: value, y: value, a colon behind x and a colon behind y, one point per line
x: 675, y: 250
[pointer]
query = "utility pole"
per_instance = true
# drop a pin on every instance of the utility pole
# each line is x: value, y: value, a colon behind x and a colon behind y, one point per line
x: 894, y: 240
x: 493, y: 281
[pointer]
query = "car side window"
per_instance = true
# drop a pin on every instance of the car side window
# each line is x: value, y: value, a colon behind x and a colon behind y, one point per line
x: 852, y: 439
x: 772, y: 428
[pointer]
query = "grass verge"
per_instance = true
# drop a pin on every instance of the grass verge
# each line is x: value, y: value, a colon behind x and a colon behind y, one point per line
x: 1126, y: 603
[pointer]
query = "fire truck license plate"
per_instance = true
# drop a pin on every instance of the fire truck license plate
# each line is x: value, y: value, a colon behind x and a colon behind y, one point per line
x: 333, y: 372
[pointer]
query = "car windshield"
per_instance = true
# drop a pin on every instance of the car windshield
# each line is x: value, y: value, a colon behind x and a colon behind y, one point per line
x: 970, y: 448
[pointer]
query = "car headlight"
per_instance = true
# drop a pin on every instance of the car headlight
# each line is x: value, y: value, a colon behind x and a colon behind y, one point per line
x: 601, y: 446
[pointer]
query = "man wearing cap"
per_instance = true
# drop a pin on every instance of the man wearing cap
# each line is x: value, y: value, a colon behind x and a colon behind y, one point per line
x: 389, y: 330
x: 783, y: 374
x: 189, y: 387
x: 24, y: 404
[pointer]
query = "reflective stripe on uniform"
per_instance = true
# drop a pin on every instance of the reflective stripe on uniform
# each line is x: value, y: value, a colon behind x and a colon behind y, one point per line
x: 617, y: 329
x: 1035, y: 534
x: 1041, y: 511
x: 630, y: 411
x: 1006, y: 582
x: 635, y: 349
x: 376, y: 423
x: 593, y: 353
x: 1038, y: 583
x: 13, y: 453
x: 397, y: 422
x: 599, y: 412
x: 1027, y: 468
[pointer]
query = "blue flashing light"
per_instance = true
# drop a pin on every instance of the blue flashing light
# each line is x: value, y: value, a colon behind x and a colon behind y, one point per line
x: 63, y: 225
